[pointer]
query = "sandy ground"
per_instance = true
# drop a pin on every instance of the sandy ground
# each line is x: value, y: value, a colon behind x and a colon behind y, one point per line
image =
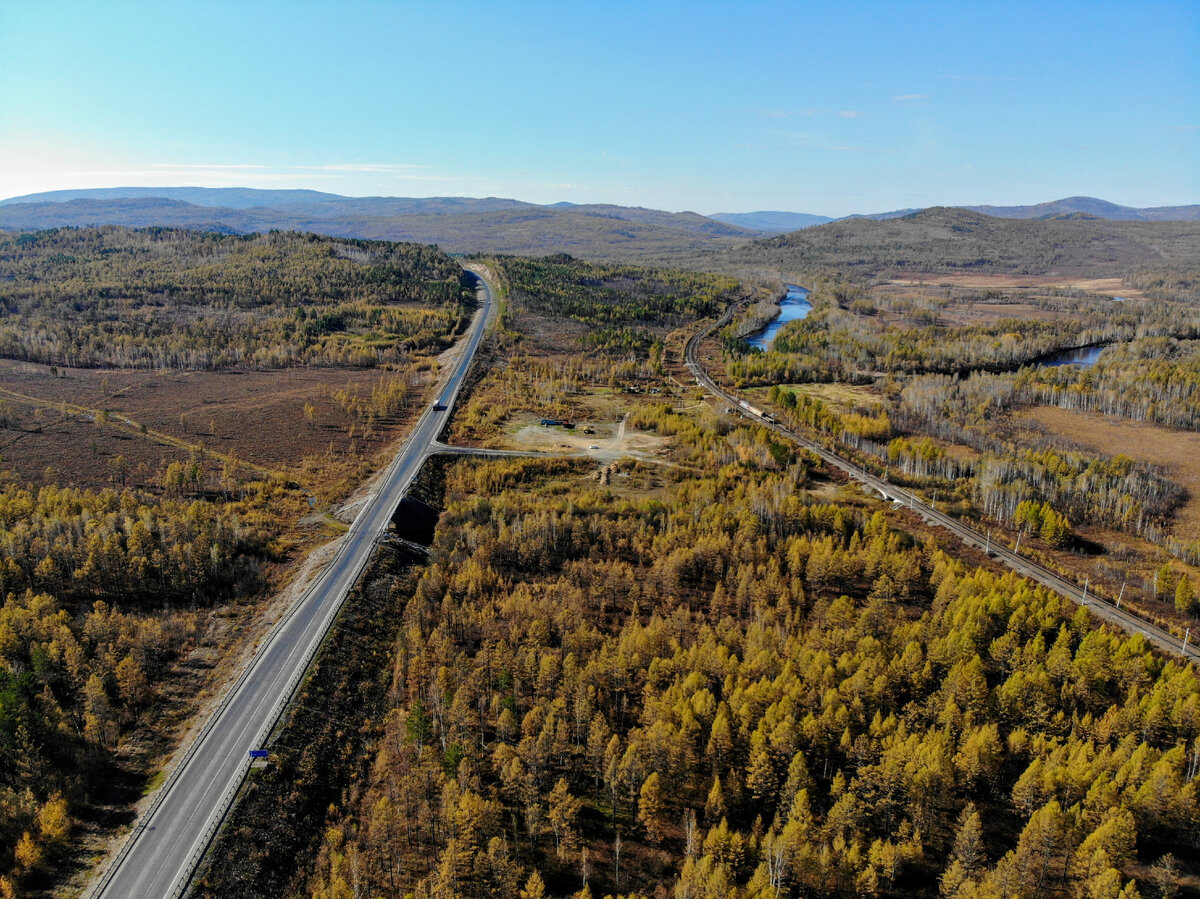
x: 612, y: 440
x: 1178, y: 452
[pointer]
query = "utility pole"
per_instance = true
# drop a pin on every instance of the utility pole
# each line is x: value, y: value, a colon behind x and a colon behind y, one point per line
x: 1187, y: 633
x: 987, y: 547
x: 1122, y: 593
x: 1087, y: 580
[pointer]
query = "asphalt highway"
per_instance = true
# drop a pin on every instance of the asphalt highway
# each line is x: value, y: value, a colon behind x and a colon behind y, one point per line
x: 162, y: 852
x: 1103, y: 609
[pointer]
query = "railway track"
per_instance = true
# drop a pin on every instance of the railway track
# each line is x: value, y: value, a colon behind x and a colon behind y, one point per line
x: 968, y: 535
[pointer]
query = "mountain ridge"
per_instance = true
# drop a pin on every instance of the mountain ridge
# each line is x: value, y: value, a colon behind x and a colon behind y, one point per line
x: 958, y: 239
x: 763, y: 221
x: 1095, y: 207
x: 499, y: 225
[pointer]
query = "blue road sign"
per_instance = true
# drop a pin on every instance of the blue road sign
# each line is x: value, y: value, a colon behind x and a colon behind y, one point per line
x: 258, y: 753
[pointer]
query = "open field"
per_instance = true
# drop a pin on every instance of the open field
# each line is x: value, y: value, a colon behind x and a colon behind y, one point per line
x: 1113, y: 286
x: 970, y: 300
x: 601, y: 359
x: 970, y: 313
x: 613, y: 440
x: 960, y: 312
x: 1176, y: 451
x: 842, y: 397
x: 256, y: 416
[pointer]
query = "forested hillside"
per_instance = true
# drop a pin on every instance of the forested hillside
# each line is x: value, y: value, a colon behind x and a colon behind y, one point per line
x: 952, y: 240
x: 163, y: 298
x: 459, y: 225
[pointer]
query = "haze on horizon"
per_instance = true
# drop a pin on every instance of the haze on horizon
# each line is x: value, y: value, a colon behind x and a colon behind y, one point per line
x: 716, y: 107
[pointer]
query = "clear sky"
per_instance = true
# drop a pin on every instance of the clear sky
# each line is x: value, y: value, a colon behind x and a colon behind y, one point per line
x: 830, y: 107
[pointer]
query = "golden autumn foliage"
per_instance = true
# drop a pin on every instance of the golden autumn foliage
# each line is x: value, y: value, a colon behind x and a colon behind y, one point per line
x: 80, y: 658
x: 170, y: 298
x: 722, y: 651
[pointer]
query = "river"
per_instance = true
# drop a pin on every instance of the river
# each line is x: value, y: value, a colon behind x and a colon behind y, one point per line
x: 793, y: 307
x: 796, y: 306
x: 1084, y: 357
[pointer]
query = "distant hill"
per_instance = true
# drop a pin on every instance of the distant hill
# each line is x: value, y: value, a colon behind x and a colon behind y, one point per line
x: 456, y: 224
x: 595, y: 231
x: 881, y: 216
x: 317, y: 205
x: 771, y: 222
x: 684, y: 221
x: 129, y: 211
x: 1087, y: 206
x: 1093, y: 207
x: 943, y: 239
x: 300, y: 201
x: 231, y: 197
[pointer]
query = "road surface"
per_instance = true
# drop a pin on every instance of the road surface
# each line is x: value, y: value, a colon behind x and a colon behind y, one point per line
x: 161, y: 854
x: 1021, y: 564
x: 446, y: 450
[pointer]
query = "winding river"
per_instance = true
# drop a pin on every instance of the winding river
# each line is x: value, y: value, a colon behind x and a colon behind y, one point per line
x: 1084, y: 356
x: 796, y: 306
x: 793, y: 307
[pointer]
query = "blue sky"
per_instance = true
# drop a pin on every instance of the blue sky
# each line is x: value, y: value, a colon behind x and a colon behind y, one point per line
x: 830, y: 108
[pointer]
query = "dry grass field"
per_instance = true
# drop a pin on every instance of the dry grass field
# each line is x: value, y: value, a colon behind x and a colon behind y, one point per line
x: 967, y: 300
x: 1176, y: 451
x: 1018, y: 282
x: 841, y: 397
x: 77, y: 422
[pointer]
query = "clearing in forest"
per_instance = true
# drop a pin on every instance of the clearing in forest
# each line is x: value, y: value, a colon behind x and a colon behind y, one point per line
x: 258, y: 417
x: 1178, y: 452
x: 970, y: 300
x: 1020, y: 282
x: 613, y: 440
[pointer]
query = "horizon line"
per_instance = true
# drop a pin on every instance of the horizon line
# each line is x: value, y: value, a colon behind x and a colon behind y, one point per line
x: 559, y: 203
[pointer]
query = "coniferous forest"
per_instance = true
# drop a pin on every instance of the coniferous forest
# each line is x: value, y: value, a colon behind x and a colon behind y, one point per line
x: 165, y: 298
x: 734, y: 689
x: 723, y: 677
x: 413, y: 485
x: 702, y: 668
x: 115, y: 595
